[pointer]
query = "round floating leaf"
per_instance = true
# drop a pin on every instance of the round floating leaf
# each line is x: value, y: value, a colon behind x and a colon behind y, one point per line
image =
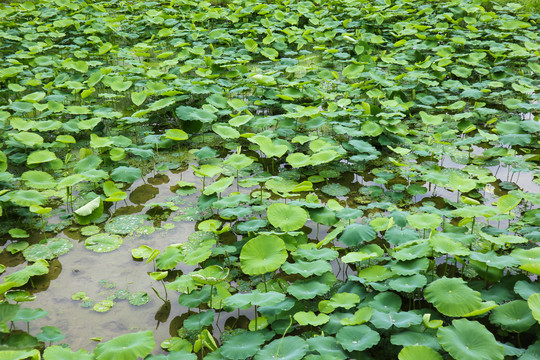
x: 126, y: 347
x: 139, y: 298
x: 126, y: 174
x: 103, y: 242
x: 357, y: 338
x: 176, y: 135
x: 287, y: 348
x: 355, y: 234
x: 408, y: 283
x: 327, y: 347
x: 452, y: 297
x: 424, y: 221
x: 56, y: 352
x: 308, y: 289
x: 198, y: 321
x: 242, y: 346
x: 40, y: 157
x: 89, y: 230
x: 287, y: 217
x: 306, y: 269
x: 262, y: 254
x: 534, y: 305
x: 38, y: 180
x: 469, y: 340
x: 335, y: 190
x: 415, y: 352
x: 124, y: 224
x: 27, y: 197
x: 309, y: 318
x: 513, y: 316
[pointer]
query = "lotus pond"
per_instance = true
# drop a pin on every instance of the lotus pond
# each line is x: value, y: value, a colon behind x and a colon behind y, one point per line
x: 290, y: 180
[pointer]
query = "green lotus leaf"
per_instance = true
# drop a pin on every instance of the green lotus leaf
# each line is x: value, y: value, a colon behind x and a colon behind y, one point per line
x: 89, y: 208
x: 310, y: 253
x: 444, y: 245
x: 287, y: 348
x: 219, y: 186
x: 194, y: 298
x: 361, y: 316
x: 211, y: 275
x: 126, y: 174
x: 344, y: 300
x: 176, y: 135
x: 28, y: 138
x: 225, y: 132
x: 412, y: 250
x: 469, y: 340
x: 238, y: 161
x: 431, y: 119
x: 139, y: 298
x: 27, y: 197
x: 355, y: 234
x: 491, y: 259
x: 103, y: 242
x: 262, y: 254
x: 287, y: 217
x: 252, y: 225
x: 424, y: 221
x: 461, y: 183
x: 189, y: 113
x: 257, y: 298
x: 19, y: 296
x: 124, y: 224
x: 70, y: 181
x: 20, y: 354
x: 375, y: 273
x: 126, y: 347
x: 16, y: 247
x: 21, y: 277
x: 327, y: 347
x: 407, y: 338
x: 49, y: 250
x: 297, y: 160
x: 513, y: 316
x: 508, y: 202
x: 240, y: 120
x: 525, y: 289
x: 414, y: 352
x: 40, y: 157
x: 88, y: 163
x: 408, y: 283
x: 306, y: 269
x: 335, y: 190
x: 534, y: 305
x: 385, y: 320
x: 138, y: 98
x: 475, y: 211
x: 323, y: 157
x: 242, y: 346
x: 50, y: 333
x: 309, y: 318
x: 207, y: 170
x: 27, y: 314
x: 452, y: 297
x: 308, y: 289
x: 169, y: 258
x: 410, y: 267
x: 56, y: 352
x: 357, y: 338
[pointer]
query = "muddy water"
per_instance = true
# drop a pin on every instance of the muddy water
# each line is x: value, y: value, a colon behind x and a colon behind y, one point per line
x: 94, y: 273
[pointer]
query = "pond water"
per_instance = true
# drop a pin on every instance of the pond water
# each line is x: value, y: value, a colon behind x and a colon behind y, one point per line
x: 102, y: 275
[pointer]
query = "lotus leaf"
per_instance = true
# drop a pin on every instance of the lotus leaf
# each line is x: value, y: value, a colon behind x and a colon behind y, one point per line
x: 413, y: 352
x: 27, y: 197
x: 306, y: 269
x: 525, y: 289
x: 124, y: 224
x: 466, y: 340
x: 126, y: 347
x: 50, y: 249
x: 452, y: 297
x: 56, y: 352
x: 27, y: 314
x: 408, y: 283
x: 287, y: 348
x: 308, y: 289
x: 534, y: 304
x: 198, y: 321
x: 103, y: 242
x: 309, y: 318
x: 286, y: 217
x: 38, y: 179
x: 385, y: 320
x: 21, y: 277
x: 242, y: 346
x: 357, y: 337
x: 355, y: 234
x: 513, y: 316
x: 126, y: 174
